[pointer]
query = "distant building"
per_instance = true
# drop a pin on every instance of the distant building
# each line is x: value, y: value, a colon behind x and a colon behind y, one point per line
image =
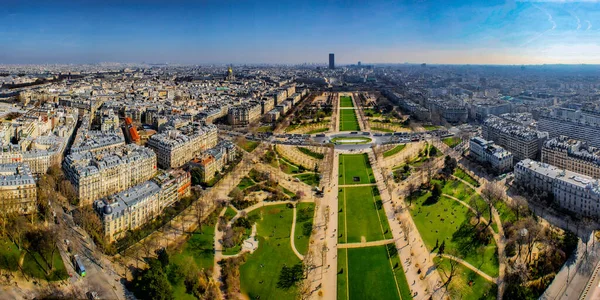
x: 572, y: 155
x: 486, y: 152
x: 573, y: 191
x: 577, y: 124
x: 331, y: 61
x: 523, y: 142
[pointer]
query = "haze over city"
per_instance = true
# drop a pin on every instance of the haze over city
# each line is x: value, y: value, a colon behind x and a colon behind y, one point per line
x: 293, y: 32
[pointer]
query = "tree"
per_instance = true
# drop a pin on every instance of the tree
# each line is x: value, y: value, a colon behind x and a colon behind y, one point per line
x: 199, y: 210
x: 520, y: 206
x: 406, y: 231
x: 43, y: 242
x: 450, y: 272
x: 67, y: 190
x: 436, y: 192
x: 163, y: 257
x: 442, y: 248
x: 290, y: 276
x: 477, y: 206
x: 411, y: 188
x: 450, y: 165
x: 153, y: 283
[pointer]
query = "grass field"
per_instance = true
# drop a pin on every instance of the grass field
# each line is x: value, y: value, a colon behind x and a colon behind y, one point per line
x: 451, y: 141
x: 33, y: 264
x: 229, y: 213
x: 246, y: 182
x: 249, y: 146
x: 309, y: 178
x: 311, y: 153
x: 359, y: 219
x: 443, y: 220
x: 287, y: 166
x: 431, y: 127
x: 300, y: 239
x: 381, y: 129
x: 466, y: 283
x: 394, y: 150
x: 260, y: 273
x: 200, y: 246
x: 355, y: 165
x: 367, y: 273
x: 318, y: 130
x: 351, y: 140
x: 348, y: 120
x: 346, y: 101
x: 466, y: 177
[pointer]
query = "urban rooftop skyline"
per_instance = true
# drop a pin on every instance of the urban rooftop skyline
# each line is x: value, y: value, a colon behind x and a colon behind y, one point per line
x: 285, y: 32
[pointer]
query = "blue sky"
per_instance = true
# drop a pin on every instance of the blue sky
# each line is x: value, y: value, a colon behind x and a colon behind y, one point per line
x: 193, y: 32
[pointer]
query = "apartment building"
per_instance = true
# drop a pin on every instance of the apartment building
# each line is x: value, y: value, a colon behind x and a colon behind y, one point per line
x: 487, y: 152
x: 214, y: 160
x: 573, y: 155
x: 174, y: 148
x: 18, y: 191
x: 573, y: 191
x: 244, y: 114
x: 577, y: 124
x: 98, y: 174
x: 523, y: 142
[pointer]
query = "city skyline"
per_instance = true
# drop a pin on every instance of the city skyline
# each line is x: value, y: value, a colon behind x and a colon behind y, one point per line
x: 456, y: 32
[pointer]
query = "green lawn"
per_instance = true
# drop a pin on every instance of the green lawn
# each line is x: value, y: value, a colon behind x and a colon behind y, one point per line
x: 346, y: 101
x: 381, y: 129
x: 311, y: 153
x: 466, y: 283
x: 359, y: 219
x: 442, y: 220
x: 260, y: 273
x: 466, y: 177
x: 431, y: 127
x: 451, y: 141
x: 301, y: 240
x: 200, y: 246
x: 249, y: 146
x: 33, y: 264
x: 287, y: 166
x: 246, y: 182
x: 351, y: 140
x: 348, y: 120
x: 230, y: 213
x: 318, y: 130
x: 367, y: 273
x: 355, y: 165
x: 506, y: 213
x: 309, y: 178
x: 265, y: 129
x: 394, y: 150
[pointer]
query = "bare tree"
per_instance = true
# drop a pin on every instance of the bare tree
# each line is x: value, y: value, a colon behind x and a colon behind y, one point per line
x: 406, y: 229
x: 520, y: 205
x: 449, y: 272
x: 199, y: 210
x: 478, y: 207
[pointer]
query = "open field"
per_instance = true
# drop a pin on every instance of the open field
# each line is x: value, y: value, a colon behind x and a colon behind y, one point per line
x: 451, y: 141
x: 359, y: 219
x: 466, y: 283
x: 348, y: 120
x: 260, y: 273
x: 200, y: 246
x: 394, y: 150
x: 351, y: 140
x: 311, y: 153
x: 355, y: 166
x: 33, y: 264
x: 346, y: 101
x: 248, y: 146
x: 367, y: 273
x: 449, y: 221
x: 466, y: 177
x: 309, y: 178
x: 304, y: 215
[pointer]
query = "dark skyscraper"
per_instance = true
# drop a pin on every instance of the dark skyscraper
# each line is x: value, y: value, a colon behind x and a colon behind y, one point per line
x: 331, y: 61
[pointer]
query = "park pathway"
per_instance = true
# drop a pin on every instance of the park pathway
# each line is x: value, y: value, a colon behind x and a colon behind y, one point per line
x: 293, y: 237
x: 468, y: 265
x: 474, y: 211
x: 218, y: 250
x: 499, y: 237
x: 365, y: 244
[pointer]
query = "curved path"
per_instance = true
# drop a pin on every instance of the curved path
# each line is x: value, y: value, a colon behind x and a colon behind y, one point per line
x: 473, y: 210
x: 365, y: 244
x: 468, y: 265
x: 293, y: 237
